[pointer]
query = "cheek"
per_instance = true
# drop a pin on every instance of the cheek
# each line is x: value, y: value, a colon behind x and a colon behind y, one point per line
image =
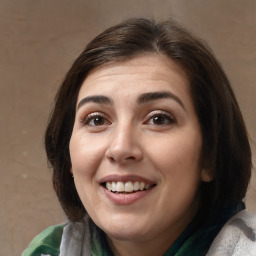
x: 178, y: 158
x: 86, y: 154
x: 178, y: 154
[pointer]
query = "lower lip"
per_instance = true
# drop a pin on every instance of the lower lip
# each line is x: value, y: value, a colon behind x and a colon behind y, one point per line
x: 126, y: 199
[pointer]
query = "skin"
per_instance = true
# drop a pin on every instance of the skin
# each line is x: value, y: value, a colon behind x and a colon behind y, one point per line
x: 156, y: 139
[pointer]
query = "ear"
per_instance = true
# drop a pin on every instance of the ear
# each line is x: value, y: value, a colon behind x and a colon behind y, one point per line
x: 71, y: 172
x: 206, y: 175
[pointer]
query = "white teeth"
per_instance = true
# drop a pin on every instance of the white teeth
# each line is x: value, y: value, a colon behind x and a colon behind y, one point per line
x: 136, y: 186
x: 128, y: 186
x: 147, y: 186
x: 113, y: 186
x: 142, y: 185
x: 108, y: 185
x: 120, y: 186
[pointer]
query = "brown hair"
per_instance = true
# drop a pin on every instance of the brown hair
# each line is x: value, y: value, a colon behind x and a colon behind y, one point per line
x: 226, y: 147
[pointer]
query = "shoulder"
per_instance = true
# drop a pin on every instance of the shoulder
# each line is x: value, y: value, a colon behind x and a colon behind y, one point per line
x: 237, y: 237
x: 46, y: 243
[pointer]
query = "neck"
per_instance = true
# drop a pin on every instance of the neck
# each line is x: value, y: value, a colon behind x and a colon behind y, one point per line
x: 156, y: 245
x: 151, y: 243
x: 142, y: 248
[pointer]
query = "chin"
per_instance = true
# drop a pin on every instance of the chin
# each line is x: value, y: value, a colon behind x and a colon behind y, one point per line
x: 125, y: 229
x: 125, y: 235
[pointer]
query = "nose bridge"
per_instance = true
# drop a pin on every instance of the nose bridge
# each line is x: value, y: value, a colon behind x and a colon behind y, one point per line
x: 124, y: 144
x: 123, y: 136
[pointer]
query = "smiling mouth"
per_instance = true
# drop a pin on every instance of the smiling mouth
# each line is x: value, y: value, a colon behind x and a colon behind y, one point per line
x: 128, y: 187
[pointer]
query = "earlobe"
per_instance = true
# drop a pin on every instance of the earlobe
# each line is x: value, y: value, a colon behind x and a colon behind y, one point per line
x: 206, y: 175
x: 71, y: 172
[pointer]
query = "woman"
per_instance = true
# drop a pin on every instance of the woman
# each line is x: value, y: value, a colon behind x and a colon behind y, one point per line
x: 149, y: 150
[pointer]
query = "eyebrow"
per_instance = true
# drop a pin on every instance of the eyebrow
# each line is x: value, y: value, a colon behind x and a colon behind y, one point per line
x: 143, y: 98
x: 95, y: 99
x: 152, y: 96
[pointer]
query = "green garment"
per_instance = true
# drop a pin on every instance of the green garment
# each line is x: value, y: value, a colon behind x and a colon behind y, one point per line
x: 189, y: 243
x: 47, y: 242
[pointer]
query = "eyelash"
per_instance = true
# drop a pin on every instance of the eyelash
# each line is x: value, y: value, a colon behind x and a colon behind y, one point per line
x: 92, y: 117
x: 165, y: 118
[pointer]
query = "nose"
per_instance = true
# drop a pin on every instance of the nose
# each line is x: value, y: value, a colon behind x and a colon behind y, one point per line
x: 124, y: 146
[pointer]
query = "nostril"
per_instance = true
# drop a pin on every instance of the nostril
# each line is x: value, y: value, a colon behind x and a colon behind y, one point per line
x: 122, y: 159
x: 111, y: 159
x: 123, y: 154
x: 131, y: 158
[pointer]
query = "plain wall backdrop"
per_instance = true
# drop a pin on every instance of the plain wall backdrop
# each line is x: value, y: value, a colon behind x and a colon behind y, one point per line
x: 40, y: 39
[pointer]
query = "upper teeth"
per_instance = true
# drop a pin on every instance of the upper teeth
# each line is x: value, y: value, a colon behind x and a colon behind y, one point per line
x: 128, y: 186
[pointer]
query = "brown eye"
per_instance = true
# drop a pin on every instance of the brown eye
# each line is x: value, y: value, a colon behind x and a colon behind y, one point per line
x: 95, y: 120
x: 161, y: 119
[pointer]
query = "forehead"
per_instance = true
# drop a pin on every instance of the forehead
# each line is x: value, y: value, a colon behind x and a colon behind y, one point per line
x: 140, y: 74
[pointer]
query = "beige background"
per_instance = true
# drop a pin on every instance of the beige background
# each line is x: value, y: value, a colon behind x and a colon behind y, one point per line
x: 39, y: 39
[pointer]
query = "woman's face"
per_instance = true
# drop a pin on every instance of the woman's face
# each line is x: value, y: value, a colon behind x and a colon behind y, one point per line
x: 136, y: 149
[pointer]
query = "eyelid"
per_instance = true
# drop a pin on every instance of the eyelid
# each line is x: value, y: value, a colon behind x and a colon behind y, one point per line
x: 160, y: 112
x: 87, y: 118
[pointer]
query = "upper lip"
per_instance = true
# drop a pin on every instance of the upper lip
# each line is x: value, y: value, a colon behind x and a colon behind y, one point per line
x: 125, y: 178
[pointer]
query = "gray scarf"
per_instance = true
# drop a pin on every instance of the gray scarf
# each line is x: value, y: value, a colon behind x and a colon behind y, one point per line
x: 236, y: 238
